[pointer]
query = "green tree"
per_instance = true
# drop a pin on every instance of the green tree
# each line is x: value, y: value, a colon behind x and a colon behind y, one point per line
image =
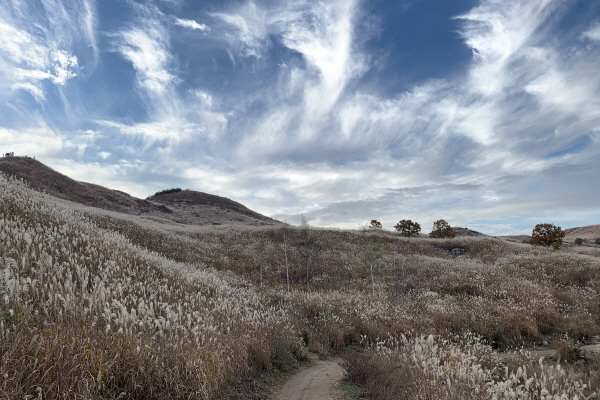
x: 547, y: 235
x: 375, y: 224
x: 408, y: 228
x: 441, y: 230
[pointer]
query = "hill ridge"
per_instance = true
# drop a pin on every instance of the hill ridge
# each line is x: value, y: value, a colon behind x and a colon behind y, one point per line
x: 189, y: 208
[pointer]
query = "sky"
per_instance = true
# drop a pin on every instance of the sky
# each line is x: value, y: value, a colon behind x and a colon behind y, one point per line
x: 485, y: 113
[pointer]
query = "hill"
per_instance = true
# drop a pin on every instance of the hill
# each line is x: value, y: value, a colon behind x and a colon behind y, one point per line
x: 584, y: 232
x: 98, y: 304
x: 467, y: 232
x: 189, y: 207
x: 192, y: 207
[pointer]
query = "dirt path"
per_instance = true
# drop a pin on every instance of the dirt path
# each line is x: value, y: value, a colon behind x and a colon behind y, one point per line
x: 317, y: 382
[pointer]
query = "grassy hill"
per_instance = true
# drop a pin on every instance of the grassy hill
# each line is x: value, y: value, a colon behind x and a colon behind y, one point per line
x: 101, y: 304
x: 585, y: 232
x: 186, y: 207
x: 197, y: 208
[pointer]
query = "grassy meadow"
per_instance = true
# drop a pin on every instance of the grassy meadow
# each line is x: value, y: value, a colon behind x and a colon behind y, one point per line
x: 100, y: 305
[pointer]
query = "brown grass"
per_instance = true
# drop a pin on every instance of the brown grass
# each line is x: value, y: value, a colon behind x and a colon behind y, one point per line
x: 100, y: 304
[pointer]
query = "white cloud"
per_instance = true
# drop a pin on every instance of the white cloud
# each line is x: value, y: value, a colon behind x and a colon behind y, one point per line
x: 324, y: 34
x: 37, y: 41
x: 147, y: 50
x: 182, y: 121
x: 119, y: 176
x: 593, y: 33
x: 191, y: 24
x: 249, y: 26
x: 27, y: 63
x: 498, y: 32
x: 37, y: 141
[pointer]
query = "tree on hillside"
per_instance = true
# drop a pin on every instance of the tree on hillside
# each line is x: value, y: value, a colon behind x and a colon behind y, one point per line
x: 441, y: 230
x: 578, y: 241
x: 547, y: 235
x: 408, y: 228
x: 375, y: 224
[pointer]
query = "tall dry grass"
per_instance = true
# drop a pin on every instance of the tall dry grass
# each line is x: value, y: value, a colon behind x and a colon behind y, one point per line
x: 96, y: 304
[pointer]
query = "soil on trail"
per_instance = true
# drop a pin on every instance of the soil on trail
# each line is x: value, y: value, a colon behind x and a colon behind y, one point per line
x: 320, y: 381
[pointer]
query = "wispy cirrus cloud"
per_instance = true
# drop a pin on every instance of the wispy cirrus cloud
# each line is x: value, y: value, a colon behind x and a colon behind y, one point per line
x: 285, y: 106
x: 27, y: 63
x: 32, y: 55
x: 145, y: 43
x: 593, y: 33
x: 191, y: 24
x: 246, y: 28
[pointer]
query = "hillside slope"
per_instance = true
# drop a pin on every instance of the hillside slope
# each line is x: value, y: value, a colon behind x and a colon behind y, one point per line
x: 189, y: 207
x: 198, y: 208
x: 584, y: 232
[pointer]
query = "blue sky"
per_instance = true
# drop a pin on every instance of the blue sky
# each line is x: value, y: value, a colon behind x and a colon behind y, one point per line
x: 483, y: 112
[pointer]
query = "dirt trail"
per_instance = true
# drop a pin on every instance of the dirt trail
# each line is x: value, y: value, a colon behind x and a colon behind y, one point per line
x: 317, y: 382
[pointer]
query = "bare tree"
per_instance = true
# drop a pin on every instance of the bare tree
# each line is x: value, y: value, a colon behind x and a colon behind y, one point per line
x: 310, y: 250
x: 287, y: 267
x: 371, y: 254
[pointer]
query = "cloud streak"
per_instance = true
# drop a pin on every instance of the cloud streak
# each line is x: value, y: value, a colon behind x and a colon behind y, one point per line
x: 38, y: 42
x: 191, y: 24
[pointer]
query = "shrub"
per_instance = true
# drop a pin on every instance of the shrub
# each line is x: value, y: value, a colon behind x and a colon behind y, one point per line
x: 442, y: 229
x: 166, y: 191
x: 579, y: 241
x: 375, y: 224
x: 597, y: 241
x: 547, y: 235
x: 407, y: 227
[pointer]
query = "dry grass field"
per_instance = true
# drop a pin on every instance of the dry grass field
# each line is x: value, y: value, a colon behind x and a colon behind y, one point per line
x: 99, y: 304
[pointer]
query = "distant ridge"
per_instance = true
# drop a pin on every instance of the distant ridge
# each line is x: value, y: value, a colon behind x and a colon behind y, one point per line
x: 185, y: 207
x: 584, y: 232
x: 466, y: 232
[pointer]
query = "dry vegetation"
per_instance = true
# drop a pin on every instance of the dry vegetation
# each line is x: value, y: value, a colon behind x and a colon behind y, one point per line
x: 95, y: 304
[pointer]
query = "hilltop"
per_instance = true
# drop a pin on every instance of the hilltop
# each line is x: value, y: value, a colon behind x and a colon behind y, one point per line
x: 186, y: 207
x: 192, y: 207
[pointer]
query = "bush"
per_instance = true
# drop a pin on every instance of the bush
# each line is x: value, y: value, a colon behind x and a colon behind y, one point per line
x: 579, y: 241
x: 442, y: 229
x: 166, y: 191
x: 547, y: 235
x: 375, y: 224
x: 597, y: 241
x: 407, y: 227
